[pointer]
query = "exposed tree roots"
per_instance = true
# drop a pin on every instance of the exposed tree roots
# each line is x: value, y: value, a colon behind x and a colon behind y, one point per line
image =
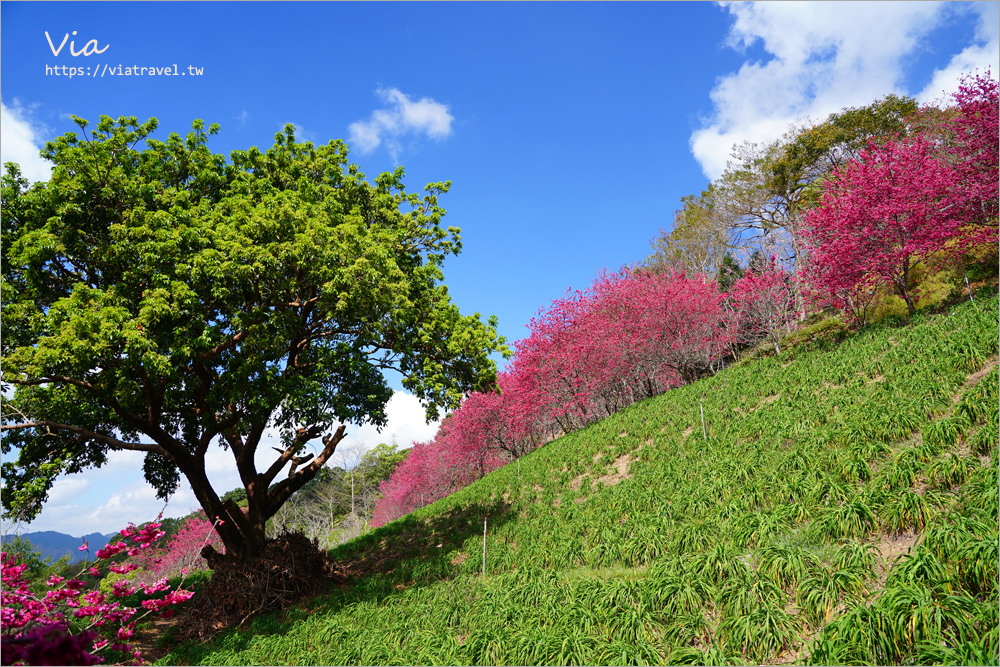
x: 290, y: 568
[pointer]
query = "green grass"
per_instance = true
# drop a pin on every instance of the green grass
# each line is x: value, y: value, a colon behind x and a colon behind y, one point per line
x: 756, y: 544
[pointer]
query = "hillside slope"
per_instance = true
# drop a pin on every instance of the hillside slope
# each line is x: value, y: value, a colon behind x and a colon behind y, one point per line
x: 842, y: 506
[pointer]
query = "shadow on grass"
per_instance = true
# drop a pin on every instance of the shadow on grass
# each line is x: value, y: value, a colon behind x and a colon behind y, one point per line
x: 409, y: 553
x: 385, y: 549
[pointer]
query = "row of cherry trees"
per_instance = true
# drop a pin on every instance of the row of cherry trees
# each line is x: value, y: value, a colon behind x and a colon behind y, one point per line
x: 928, y: 192
x: 633, y: 334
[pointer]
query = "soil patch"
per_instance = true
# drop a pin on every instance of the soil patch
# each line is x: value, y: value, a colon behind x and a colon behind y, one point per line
x: 974, y: 379
x: 147, y: 636
x: 770, y: 399
x: 621, y: 466
x: 892, y: 548
x: 621, y: 472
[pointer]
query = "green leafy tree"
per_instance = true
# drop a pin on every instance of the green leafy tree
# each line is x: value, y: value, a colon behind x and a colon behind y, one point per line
x: 365, y: 478
x: 379, y: 462
x: 729, y: 274
x: 695, y: 243
x: 237, y: 495
x: 162, y: 299
x: 22, y: 551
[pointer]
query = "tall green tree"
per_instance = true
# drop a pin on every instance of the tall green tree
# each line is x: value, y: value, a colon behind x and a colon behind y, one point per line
x: 160, y: 298
x: 695, y: 243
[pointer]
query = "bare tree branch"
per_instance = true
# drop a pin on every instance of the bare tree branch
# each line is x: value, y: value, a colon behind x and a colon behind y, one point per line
x: 284, y: 489
x: 100, y: 437
x: 302, y: 436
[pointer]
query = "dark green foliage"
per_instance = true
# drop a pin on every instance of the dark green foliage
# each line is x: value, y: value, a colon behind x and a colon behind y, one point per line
x: 857, y: 556
x: 236, y: 495
x: 761, y: 633
x: 730, y: 273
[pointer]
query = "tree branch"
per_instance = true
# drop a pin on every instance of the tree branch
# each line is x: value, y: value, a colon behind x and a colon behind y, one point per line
x: 283, y: 490
x: 100, y: 437
x: 130, y: 418
x: 222, y: 347
x: 59, y: 379
x: 302, y: 436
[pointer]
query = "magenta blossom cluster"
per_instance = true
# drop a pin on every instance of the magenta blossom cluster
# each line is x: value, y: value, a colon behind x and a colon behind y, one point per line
x: 55, y: 625
x: 905, y: 201
x: 182, y: 554
x: 49, y: 644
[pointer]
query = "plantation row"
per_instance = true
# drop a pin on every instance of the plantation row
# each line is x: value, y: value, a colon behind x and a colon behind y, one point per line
x: 842, y: 507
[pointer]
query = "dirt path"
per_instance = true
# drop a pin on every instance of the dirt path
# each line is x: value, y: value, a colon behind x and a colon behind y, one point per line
x: 150, y: 632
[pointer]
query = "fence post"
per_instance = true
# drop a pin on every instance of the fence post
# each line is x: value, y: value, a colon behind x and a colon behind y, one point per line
x: 704, y: 434
x: 484, y: 548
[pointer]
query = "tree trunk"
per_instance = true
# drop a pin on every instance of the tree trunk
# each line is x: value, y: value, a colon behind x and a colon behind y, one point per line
x: 902, y: 291
x: 243, y: 533
x: 801, y: 262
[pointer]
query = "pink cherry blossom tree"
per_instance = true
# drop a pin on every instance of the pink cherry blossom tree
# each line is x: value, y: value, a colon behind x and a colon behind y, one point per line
x: 183, y: 551
x: 761, y: 306
x: 975, y: 153
x: 882, y: 215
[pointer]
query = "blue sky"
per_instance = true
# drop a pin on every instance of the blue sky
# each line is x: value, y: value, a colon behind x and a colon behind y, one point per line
x: 570, y: 131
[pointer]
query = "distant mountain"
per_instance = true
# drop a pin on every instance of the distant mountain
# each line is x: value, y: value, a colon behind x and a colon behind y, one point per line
x: 56, y: 545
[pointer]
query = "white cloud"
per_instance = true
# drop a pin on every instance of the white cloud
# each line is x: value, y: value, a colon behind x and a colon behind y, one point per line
x: 243, y: 118
x: 21, y: 137
x: 406, y: 425
x: 64, y: 490
x: 134, y: 503
x: 824, y: 56
x: 401, y: 117
x: 985, y: 53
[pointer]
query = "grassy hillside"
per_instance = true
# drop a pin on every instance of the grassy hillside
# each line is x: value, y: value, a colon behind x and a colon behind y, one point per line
x: 842, y: 507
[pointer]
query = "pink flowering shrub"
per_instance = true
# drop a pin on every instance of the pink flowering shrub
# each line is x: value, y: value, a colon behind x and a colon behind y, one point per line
x: 880, y: 216
x: 761, y: 306
x: 49, y: 644
x: 68, y: 625
x: 182, y: 554
x: 975, y: 154
x: 906, y: 201
x: 432, y: 471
